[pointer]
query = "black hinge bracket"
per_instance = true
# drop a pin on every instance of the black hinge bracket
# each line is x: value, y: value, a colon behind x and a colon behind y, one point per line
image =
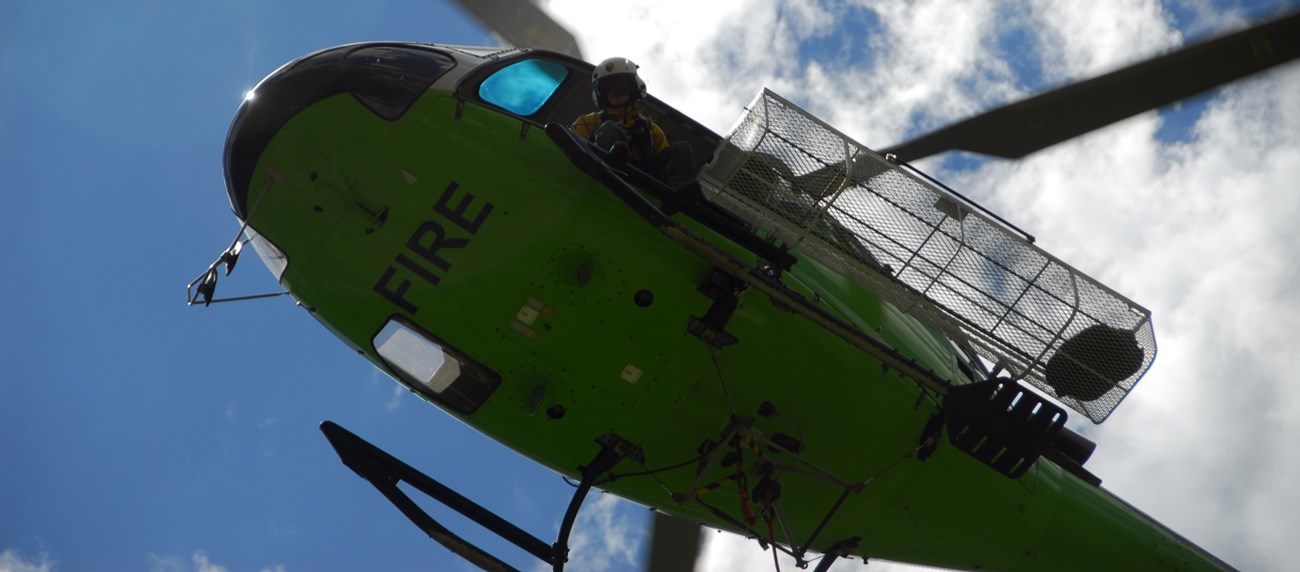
x: 725, y: 290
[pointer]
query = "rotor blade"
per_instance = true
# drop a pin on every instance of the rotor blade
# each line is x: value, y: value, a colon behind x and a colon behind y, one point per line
x: 674, y: 544
x: 522, y: 24
x: 1019, y: 129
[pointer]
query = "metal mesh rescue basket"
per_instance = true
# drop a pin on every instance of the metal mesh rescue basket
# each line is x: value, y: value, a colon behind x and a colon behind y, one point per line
x: 932, y: 254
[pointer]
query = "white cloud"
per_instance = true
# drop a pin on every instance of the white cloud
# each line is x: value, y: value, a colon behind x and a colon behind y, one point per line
x: 203, y: 564
x: 727, y: 551
x: 1078, y: 40
x: 711, y: 63
x: 1202, y: 232
x: 13, y: 561
x: 395, y: 400
x: 398, y: 393
x: 1218, y: 268
x: 607, y: 535
x: 165, y: 563
x: 197, y: 562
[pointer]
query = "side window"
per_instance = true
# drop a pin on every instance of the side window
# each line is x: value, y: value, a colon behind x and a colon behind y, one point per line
x: 524, y: 87
x: 432, y: 368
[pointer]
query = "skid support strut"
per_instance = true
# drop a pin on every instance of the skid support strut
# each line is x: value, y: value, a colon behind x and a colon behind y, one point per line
x: 385, y: 471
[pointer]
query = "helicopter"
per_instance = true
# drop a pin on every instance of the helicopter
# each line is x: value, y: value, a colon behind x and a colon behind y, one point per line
x: 818, y: 315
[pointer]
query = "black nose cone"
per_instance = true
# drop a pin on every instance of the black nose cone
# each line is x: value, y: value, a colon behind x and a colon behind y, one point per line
x: 279, y: 97
x: 386, y: 78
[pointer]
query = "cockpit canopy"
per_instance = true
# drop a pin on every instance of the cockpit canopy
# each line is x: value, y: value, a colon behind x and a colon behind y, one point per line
x: 537, y: 86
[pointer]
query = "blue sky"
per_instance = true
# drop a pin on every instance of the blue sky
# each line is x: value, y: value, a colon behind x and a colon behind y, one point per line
x: 137, y: 433
x: 140, y: 434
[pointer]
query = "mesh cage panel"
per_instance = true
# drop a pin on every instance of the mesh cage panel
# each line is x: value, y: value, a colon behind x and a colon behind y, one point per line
x: 931, y: 254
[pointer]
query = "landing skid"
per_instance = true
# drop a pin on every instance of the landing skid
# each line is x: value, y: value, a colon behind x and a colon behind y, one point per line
x: 384, y: 472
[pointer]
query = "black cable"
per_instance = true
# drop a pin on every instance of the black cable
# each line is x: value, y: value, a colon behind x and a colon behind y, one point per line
x: 725, y: 393
x: 613, y: 476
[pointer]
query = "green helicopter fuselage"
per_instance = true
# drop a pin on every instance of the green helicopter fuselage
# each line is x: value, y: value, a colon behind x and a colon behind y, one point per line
x: 409, y: 198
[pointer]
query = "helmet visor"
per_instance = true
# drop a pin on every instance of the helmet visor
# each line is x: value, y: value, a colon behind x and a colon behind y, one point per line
x: 619, y: 83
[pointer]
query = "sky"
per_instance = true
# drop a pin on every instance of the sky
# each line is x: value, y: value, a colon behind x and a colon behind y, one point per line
x: 137, y: 433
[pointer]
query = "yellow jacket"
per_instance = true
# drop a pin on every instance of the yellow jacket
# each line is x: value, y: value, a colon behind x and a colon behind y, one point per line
x: 644, y: 135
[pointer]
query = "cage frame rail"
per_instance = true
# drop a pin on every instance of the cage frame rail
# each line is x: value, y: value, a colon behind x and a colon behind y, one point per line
x: 1018, y: 317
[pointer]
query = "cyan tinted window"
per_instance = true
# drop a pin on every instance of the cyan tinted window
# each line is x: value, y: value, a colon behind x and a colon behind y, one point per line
x: 524, y: 87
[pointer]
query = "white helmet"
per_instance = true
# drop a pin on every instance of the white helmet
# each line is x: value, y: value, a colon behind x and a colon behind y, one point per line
x: 613, y: 72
